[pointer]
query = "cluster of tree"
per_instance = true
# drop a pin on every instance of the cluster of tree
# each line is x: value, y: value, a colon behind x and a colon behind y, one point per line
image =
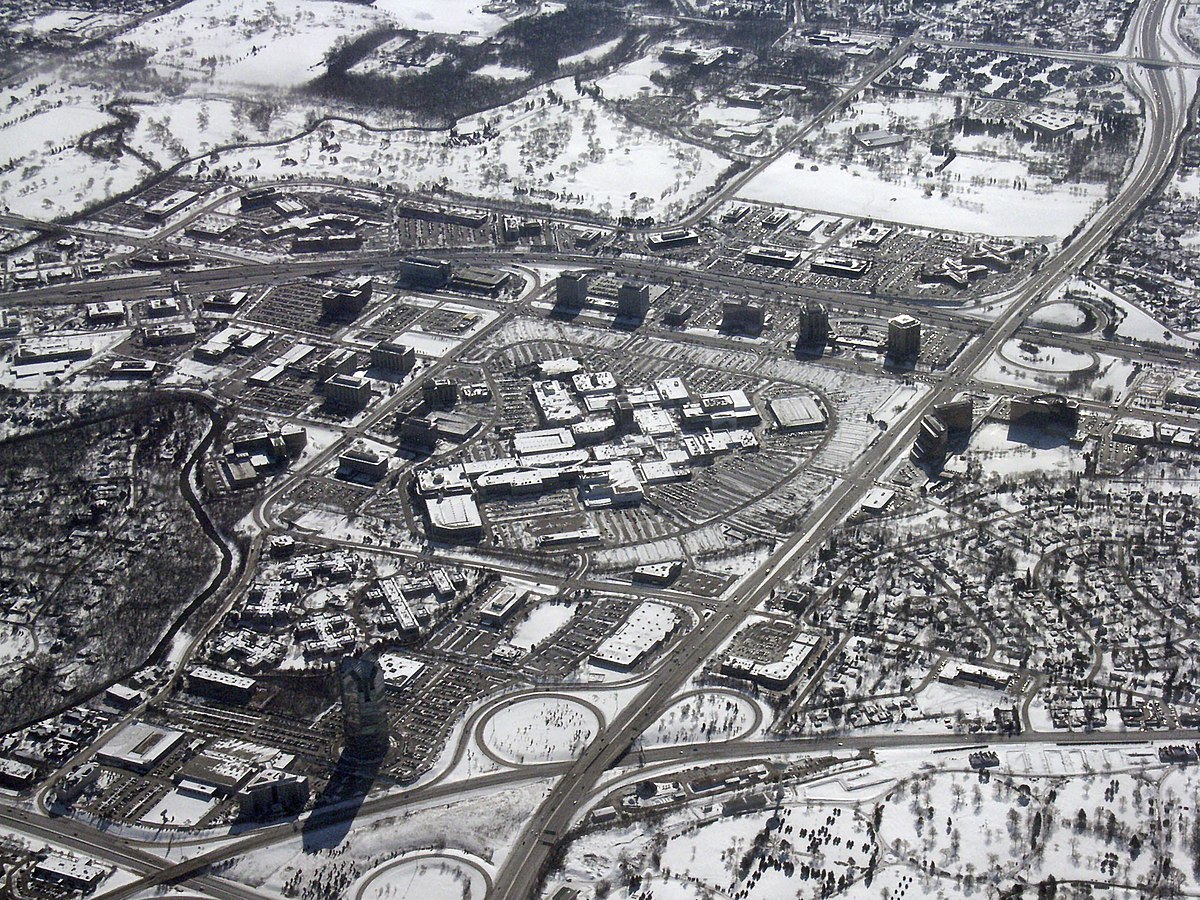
x: 537, y: 43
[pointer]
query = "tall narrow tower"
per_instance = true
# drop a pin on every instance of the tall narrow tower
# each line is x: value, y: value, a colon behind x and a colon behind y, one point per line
x: 364, y: 707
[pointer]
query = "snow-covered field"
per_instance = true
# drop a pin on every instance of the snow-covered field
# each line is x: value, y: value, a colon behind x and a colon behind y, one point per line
x: 592, y: 54
x: 540, y: 729
x: 988, y: 188
x: 965, y: 198
x: 423, y: 877
x: 1001, y: 450
x: 328, y: 861
x: 444, y: 16
x: 498, y: 72
x: 566, y: 148
x: 632, y: 79
x: 285, y: 44
x: 918, y: 825
x: 52, y: 128
x: 243, y: 42
x: 1059, y: 315
x: 1058, y: 369
x: 714, y: 716
x: 170, y: 130
x: 543, y: 620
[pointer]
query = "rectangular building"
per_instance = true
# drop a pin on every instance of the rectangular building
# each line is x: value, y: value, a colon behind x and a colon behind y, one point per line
x: 338, y: 361
x: 773, y: 256
x: 140, y: 747
x: 363, y: 462
x: 347, y: 392
x: 393, y: 356
x: 424, y: 272
x: 904, y: 337
x: 474, y: 280
x: 840, y: 266
x: 221, y: 685
x: 169, y: 205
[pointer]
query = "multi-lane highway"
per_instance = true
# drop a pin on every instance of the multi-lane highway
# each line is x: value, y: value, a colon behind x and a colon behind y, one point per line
x: 1166, y: 104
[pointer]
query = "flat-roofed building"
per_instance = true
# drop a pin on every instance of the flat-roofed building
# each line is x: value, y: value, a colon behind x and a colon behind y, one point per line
x: 674, y: 239
x: 501, y: 605
x: 272, y: 791
x: 122, y: 696
x: 780, y: 257
x: 30, y: 353
x: 320, y: 243
x: 932, y: 442
x: 957, y: 415
x: 646, y: 629
x: 105, y: 312
x: 257, y: 198
x: 211, y: 227
x: 454, y: 517
x: 169, y: 205
x: 878, y: 139
x: 800, y: 413
x: 904, y: 337
x: 440, y: 392
x: 425, y: 272
x: 168, y: 333
x: 570, y: 289
x: 221, y: 685
x: 840, y: 266
x: 418, y: 433
x: 69, y: 872
x: 812, y: 325
x: 140, y: 746
x: 743, y: 316
x: 345, y: 301
x: 467, y: 218
x: 393, y: 356
x: 474, y: 280
x: 633, y: 300
x: 347, y: 392
x: 16, y: 775
x: 339, y: 361
x: 132, y: 368
x: 1054, y: 408
x: 546, y: 440
x: 364, y: 463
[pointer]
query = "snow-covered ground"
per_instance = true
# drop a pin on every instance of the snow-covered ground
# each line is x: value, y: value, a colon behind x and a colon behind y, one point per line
x: 179, y: 808
x: 592, y: 54
x: 922, y: 825
x: 423, y: 877
x: 54, y: 127
x: 1058, y: 369
x: 976, y: 196
x: 483, y: 824
x: 444, y: 16
x: 243, y: 42
x: 632, y: 79
x: 173, y: 129
x: 989, y: 187
x: 543, y: 620
x: 499, y: 72
x: 568, y: 149
x: 1001, y: 450
x: 1059, y: 315
x: 540, y: 729
x: 714, y: 716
